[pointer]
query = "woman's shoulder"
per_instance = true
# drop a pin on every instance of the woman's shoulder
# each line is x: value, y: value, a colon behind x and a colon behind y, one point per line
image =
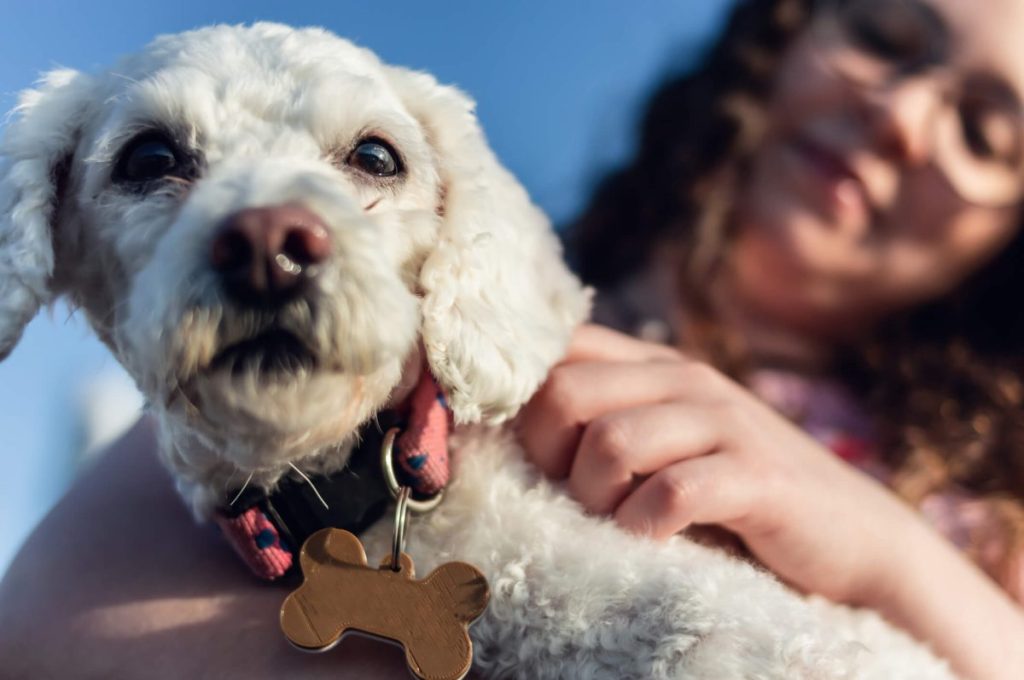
x: 119, y: 581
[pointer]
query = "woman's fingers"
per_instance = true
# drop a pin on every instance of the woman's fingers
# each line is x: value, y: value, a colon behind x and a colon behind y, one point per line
x: 705, y: 490
x: 551, y: 425
x: 618, y: 447
x: 600, y: 343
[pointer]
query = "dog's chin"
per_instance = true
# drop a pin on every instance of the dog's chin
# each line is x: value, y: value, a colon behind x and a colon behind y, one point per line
x: 270, y: 399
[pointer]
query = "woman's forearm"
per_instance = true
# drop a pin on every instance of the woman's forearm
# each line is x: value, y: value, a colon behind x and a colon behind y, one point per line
x: 943, y: 599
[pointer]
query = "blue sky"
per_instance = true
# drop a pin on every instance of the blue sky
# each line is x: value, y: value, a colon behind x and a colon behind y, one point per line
x: 558, y: 86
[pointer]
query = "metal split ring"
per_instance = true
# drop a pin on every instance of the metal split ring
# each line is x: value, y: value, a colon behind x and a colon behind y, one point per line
x: 398, y: 537
x: 387, y: 466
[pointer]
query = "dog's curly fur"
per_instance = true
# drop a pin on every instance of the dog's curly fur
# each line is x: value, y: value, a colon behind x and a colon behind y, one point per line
x: 450, y: 256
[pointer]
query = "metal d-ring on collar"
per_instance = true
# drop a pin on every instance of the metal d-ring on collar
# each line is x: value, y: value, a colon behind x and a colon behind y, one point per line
x: 398, y: 537
x: 387, y: 467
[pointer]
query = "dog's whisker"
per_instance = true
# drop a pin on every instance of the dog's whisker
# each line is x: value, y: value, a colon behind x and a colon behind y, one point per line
x: 71, y: 314
x: 106, y: 318
x: 191, y: 409
x: 242, y: 490
x: 125, y: 77
x: 311, y: 485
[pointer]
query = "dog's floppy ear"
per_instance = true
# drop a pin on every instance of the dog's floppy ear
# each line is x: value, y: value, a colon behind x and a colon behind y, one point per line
x: 499, y: 304
x: 34, y: 154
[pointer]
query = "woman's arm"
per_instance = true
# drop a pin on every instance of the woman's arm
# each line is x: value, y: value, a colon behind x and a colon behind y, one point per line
x: 933, y: 591
x: 119, y: 581
x: 661, y: 442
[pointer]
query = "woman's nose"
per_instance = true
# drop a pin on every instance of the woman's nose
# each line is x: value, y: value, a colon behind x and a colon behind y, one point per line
x: 901, y: 119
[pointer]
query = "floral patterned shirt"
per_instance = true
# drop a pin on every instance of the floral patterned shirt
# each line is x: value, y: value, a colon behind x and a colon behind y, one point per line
x: 827, y: 411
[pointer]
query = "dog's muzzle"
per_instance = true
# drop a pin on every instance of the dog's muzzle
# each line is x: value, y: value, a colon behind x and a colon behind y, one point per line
x: 264, y: 259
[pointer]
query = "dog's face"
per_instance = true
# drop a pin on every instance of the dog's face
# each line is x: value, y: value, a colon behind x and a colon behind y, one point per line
x: 264, y: 224
x: 244, y: 218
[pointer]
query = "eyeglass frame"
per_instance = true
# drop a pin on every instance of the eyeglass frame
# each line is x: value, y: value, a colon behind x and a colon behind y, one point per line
x: 934, y: 68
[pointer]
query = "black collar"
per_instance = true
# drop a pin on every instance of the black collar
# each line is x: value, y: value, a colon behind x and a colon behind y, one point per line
x: 356, y: 496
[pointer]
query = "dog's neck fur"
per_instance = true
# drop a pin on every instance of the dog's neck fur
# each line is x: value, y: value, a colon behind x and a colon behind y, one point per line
x: 206, y: 478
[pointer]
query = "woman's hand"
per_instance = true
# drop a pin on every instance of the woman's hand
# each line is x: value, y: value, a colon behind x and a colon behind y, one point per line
x: 661, y: 441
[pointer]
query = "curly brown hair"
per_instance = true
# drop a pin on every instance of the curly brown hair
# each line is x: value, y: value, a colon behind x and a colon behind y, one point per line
x: 943, y: 381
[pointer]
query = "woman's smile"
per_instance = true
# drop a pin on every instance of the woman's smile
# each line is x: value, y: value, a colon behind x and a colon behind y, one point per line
x: 829, y: 183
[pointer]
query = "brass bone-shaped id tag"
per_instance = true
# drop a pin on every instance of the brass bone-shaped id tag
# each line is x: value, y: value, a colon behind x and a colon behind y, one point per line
x: 429, y: 618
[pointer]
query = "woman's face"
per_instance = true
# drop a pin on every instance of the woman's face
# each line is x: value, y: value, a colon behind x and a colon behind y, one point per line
x: 892, y: 163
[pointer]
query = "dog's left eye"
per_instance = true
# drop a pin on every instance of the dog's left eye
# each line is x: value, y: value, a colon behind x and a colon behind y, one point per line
x: 375, y: 157
x: 147, y: 158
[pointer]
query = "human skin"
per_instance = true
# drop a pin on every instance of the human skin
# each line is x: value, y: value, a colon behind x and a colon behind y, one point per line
x: 661, y: 441
x: 826, y: 258
x: 803, y: 514
x: 122, y: 575
x: 120, y: 582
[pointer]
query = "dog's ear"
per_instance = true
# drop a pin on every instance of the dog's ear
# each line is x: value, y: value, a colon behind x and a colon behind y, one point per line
x: 35, y: 154
x: 499, y: 303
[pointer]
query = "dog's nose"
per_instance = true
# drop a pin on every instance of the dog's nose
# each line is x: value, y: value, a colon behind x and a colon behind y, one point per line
x: 264, y: 256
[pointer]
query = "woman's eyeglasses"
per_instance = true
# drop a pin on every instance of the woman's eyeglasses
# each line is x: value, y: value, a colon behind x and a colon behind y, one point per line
x: 977, y: 135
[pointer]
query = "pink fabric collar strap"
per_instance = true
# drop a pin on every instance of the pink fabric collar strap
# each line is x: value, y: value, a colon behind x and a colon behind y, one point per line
x: 268, y: 538
x: 422, y: 447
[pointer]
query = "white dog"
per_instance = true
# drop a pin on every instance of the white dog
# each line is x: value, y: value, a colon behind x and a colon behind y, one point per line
x: 268, y: 227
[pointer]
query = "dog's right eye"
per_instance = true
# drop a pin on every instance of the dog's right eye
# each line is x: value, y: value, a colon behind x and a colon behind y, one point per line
x: 146, y: 158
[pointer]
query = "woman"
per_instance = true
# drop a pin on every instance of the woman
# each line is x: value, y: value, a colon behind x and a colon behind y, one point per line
x: 828, y: 210
x: 794, y: 254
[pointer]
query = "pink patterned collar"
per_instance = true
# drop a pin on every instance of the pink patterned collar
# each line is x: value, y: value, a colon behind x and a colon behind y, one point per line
x: 268, y: 529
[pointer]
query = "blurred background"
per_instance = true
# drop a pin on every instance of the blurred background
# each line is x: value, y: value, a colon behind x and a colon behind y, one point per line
x: 558, y: 86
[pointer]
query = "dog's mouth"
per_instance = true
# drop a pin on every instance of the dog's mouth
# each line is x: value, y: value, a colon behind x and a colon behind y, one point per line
x: 273, y: 353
